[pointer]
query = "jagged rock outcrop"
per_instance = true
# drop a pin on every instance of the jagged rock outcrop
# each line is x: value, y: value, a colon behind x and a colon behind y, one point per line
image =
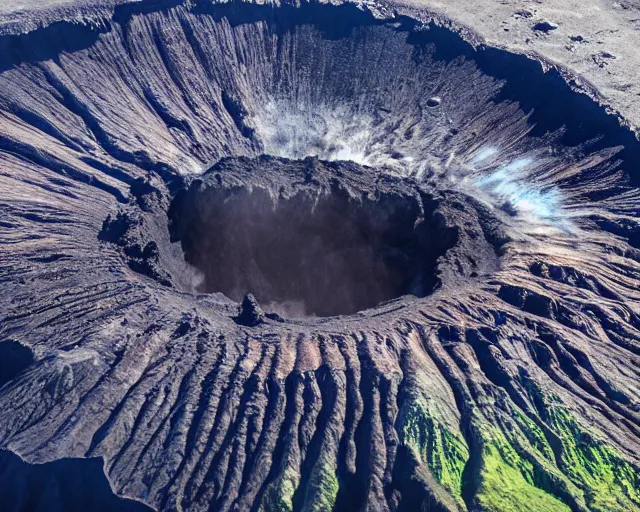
x: 495, y: 369
x: 251, y: 314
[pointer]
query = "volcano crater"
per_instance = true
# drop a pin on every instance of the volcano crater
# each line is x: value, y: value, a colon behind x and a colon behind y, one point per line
x: 321, y: 238
x: 443, y: 237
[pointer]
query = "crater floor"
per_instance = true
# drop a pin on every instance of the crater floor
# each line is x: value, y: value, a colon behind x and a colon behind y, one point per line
x: 308, y: 258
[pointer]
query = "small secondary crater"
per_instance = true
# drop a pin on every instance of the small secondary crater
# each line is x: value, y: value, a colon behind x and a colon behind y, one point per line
x: 309, y: 242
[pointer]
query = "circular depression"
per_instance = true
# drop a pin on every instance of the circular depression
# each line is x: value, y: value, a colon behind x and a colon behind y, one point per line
x: 313, y: 245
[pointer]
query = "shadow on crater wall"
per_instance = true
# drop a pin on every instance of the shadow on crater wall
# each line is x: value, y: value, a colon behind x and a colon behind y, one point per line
x: 67, y: 485
x: 14, y: 358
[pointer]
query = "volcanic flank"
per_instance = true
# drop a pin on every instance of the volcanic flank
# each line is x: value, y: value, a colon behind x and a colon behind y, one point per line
x: 308, y: 258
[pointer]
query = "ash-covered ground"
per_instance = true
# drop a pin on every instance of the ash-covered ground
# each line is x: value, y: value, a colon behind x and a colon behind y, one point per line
x: 308, y: 258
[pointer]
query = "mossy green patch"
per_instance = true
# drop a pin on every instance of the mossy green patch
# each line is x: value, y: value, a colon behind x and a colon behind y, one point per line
x: 279, y: 495
x: 533, y: 433
x: 442, y: 451
x: 607, y: 482
x: 506, y: 482
x: 323, y: 487
x: 610, y: 483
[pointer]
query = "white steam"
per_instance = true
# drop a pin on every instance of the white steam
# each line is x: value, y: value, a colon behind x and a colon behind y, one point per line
x: 297, y: 130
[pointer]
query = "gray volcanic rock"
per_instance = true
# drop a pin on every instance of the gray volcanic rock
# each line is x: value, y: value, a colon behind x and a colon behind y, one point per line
x: 251, y: 314
x: 450, y: 289
x: 545, y: 26
x: 505, y: 24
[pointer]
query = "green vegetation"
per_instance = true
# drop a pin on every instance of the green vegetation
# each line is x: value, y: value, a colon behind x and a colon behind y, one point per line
x: 443, y: 452
x: 507, y: 481
x: 323, y: 487
x: 320, y: 495
x: 279, y: 495
x: 533, y: 434
x: 610, y: 483
x: 516, y: 469
x: 604, y: 479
